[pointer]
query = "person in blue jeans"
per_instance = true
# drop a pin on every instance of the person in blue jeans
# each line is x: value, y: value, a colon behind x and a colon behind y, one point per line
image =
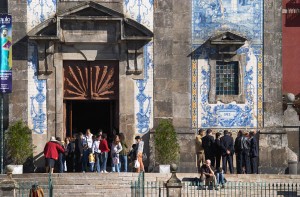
x: 220, y: 177
x: 123, y: 153
x: 116, y: 148
x: 104, y: 152
x: 96, y: 151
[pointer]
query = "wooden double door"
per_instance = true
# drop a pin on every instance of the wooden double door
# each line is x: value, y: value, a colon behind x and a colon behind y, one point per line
x: 91, y: 96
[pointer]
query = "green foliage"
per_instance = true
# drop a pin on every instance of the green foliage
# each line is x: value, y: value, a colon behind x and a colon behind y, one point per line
x: 18, y: 142
x: 166, y: 143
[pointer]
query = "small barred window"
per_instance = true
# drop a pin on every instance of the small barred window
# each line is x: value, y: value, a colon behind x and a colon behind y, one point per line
x: 227, y: 79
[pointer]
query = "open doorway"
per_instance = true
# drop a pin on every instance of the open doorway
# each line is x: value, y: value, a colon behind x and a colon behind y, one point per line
x: 89, y: 114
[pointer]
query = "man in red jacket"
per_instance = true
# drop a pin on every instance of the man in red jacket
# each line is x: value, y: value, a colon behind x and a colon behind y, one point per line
x: 51, y: 153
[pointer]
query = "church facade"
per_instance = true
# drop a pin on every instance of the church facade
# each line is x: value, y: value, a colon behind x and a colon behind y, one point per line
x: 122, y: 65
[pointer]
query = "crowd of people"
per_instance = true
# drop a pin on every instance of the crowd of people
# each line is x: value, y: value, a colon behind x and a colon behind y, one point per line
x: 92, y: 153
x: 223, y: 148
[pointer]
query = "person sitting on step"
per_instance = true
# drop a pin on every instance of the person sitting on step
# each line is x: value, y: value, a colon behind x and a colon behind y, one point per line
x: 208, y: 174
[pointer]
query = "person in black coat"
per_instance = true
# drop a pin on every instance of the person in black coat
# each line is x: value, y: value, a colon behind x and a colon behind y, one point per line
x: 227, y: 151
x: 239, y: 152
x: 253, y: 153
x: 78, y: 152
x: 208, y: 144
x: 218, y: 150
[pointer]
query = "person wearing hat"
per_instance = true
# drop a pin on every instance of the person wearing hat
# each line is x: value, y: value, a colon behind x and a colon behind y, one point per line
x: 139, y: 155
x: 51, y: 150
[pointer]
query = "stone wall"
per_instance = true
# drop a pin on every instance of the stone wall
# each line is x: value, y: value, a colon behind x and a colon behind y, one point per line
x: 172, y: 88
x: 18, y: 97
x: 273, y: 139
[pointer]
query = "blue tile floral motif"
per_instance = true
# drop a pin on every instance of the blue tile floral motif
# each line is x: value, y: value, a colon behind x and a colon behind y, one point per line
x: 242, y: 17
x: 37, y: 12
x: 37, y: 113
x: 141, y: 11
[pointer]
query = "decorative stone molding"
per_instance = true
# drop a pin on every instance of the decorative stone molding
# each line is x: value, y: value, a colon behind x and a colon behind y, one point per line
x: 95, y: 25
x: 226, y: 46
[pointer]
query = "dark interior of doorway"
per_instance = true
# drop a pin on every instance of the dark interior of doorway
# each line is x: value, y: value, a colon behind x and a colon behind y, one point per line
x: 94, y: 115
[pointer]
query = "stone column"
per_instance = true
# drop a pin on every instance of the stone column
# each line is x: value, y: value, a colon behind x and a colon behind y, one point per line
x: 272, y: 138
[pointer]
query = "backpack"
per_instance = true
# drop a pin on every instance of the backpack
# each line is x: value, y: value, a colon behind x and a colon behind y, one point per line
x: 245, y: 144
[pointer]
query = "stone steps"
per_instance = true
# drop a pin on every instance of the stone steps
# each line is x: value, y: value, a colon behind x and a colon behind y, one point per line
x: 119, y: 184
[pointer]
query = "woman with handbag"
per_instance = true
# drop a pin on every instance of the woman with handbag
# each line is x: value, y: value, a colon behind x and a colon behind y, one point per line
x: 116, y: 148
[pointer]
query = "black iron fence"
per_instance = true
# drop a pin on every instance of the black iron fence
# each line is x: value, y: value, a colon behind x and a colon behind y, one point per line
x: 141, y: 188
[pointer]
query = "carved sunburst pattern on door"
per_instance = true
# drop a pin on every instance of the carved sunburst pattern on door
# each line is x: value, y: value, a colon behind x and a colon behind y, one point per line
x: 97, y: 80
x: 76, y: 82
x: 103, y: 82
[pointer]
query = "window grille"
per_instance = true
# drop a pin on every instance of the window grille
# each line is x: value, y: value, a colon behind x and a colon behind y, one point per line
x: 227, y: 79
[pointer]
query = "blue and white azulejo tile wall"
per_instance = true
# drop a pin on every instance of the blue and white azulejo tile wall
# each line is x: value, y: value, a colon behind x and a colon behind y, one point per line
x: 241, y: 17
x: 142, y: 12
x: 37, y: 12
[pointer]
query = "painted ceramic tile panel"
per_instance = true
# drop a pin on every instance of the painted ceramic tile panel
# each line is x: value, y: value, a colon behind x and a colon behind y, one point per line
x: 142, y: 12
x: 37, y: 12
x: 213, y: 17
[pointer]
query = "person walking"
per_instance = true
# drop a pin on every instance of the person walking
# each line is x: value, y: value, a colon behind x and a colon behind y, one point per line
x: 51, y: 150
x: 208, y: 145
x: 123, y: 153
x: 253, y: 153
x: 139, y: 151
x: 200, y: 149
x: 104, y: 152
x: 227, y: 149
x: 116, y: 148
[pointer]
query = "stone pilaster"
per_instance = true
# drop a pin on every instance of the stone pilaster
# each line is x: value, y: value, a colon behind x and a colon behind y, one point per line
x: 272, y: 139
x: 172, y: 88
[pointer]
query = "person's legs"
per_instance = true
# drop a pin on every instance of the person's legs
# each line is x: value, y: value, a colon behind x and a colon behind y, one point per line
x: 239, y: 161
x: 47, y: 165
x: 140, y: 160
x: 104, y: 160
x: 51, y: 165
x: 254, y: 165
x: 224, y: 165
x: 85, y: 160
x: 97, y: 157
x: 125, y: 163
x: 230, y: 164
